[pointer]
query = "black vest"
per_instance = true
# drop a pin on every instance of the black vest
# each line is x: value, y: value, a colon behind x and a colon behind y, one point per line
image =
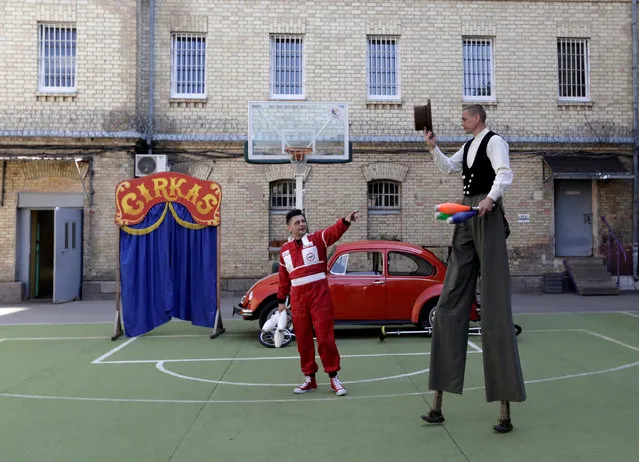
x: 479, y: 178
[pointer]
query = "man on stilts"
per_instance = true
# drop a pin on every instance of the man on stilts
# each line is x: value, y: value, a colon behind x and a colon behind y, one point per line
x: 478, y: 244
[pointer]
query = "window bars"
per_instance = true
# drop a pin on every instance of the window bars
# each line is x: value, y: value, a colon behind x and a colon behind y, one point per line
x: 573, y: 60
x: 383, y: 68
x: 478, y: 69
x: 282, y: 195
x: 384, y: 195
x: 287, y: 66
x: 56, y: 58
x: 188, y: 65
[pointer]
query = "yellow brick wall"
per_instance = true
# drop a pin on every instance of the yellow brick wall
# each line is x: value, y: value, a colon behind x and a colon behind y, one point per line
x: 112, y: 79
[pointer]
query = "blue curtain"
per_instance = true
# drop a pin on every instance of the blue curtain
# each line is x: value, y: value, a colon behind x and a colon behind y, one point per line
x: 193, y: 262
x: 169, y: 272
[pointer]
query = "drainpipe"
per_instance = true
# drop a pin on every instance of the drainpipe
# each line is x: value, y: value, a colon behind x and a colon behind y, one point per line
x: 635, y: 147
x: 149, y: 124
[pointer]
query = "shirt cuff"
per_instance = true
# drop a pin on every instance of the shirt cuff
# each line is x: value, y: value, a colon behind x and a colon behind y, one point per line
x: 347, y: 223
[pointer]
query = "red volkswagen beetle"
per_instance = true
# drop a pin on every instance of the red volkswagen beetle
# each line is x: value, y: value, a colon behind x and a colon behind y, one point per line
x: 371, y: 282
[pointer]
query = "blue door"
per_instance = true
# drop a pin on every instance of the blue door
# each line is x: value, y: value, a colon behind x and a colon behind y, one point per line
x: 573, y: 218
x: 67, y: 261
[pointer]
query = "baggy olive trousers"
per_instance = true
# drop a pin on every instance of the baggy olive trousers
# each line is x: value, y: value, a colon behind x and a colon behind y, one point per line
x: 478, y: 243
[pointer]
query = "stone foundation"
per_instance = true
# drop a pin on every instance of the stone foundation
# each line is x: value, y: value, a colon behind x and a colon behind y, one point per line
x: 10, y: 292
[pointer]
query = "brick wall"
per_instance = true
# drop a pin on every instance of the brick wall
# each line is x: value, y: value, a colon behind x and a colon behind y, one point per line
x: 112, y: 79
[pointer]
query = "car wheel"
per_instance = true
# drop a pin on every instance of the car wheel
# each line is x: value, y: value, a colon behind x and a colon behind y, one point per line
x: 427, y: 315
x: 269, y: 310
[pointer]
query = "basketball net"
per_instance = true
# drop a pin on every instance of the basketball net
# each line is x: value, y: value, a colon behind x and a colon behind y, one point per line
x: 299, y: 157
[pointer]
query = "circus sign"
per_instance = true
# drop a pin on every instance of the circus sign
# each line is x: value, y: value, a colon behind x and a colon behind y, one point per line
x: 134, y: 198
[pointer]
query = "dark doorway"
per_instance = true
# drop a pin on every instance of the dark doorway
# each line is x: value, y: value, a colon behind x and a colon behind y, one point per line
x: 42, y: 253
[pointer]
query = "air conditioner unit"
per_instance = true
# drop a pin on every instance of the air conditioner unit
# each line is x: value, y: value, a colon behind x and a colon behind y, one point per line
x: 146, y: 164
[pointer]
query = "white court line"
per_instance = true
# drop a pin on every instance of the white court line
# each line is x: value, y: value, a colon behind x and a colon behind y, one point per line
x: 260, y: 358
x: 628, y: 313
x: 515, y: 314
x: 114, y: 350
x: 613, y: 340
x: 160, y: 366
x: 54, y: 323
x: 475, y: 347
x: 305, y: 399
x: 309, y: 399
x: 54, y: 338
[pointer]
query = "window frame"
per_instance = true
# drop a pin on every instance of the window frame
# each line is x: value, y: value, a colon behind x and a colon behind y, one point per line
x: 274, y: 67
x: 490, y: 70
x: 397, y: 96
x: 343, y: 261
x: 585, y: 43
x: 383, y: 209
x: 72, y: 66
x: 415, y: 258
x: 176, y: 70
x: 291, y: 196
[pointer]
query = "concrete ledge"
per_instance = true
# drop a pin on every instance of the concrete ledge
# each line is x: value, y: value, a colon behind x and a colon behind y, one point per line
x: 98, y: 290
x: 526, y: 284
x: 10, y: 292
x: 105, y: 290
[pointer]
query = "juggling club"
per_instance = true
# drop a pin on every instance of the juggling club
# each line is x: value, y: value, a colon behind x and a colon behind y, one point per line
x: 460, y: 217
x: 441, y: 215
x: 451, y: 208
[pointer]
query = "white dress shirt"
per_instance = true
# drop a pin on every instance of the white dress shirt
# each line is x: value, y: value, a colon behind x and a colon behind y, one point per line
x: 497, y: 151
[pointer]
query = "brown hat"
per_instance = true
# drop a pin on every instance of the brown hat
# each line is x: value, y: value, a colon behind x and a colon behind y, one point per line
x: 423, y: 118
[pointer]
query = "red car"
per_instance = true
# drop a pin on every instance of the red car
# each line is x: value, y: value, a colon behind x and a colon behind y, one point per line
x: 371, y: 282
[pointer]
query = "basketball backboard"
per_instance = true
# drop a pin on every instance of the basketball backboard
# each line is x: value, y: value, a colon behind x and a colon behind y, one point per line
x: 274, y: 126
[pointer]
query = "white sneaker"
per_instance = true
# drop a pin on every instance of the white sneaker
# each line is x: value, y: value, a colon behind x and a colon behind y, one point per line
x: 337, y: 387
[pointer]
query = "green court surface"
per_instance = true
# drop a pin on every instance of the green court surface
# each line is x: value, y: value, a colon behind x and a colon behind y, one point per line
x: 68, y: 393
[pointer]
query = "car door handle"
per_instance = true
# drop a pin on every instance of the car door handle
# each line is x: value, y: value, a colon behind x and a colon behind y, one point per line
x: 379, y: 282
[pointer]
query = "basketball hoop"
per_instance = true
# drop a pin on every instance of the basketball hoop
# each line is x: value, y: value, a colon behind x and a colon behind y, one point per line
x: 299, y: 157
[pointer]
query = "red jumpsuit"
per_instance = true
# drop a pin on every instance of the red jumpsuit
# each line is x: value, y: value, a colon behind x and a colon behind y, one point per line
x: 302, y: 272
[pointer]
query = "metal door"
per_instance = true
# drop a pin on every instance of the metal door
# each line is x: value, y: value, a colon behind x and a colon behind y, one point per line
x: 573, y: 218
x: 67, y: 262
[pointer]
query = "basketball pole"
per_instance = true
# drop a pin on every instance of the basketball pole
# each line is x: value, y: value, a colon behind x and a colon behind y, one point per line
x: 299, y: 190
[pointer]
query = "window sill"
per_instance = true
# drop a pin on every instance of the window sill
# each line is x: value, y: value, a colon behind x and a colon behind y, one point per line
x: 384, y: 211
x: 567, y: 105
x: 292, y: 99
x: 384, y: 103
x: 57, y: 96
x: 187, y: 102
x: 491, y: 103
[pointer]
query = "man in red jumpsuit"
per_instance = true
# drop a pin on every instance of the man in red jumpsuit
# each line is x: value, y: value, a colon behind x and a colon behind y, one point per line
x: 302, y: 273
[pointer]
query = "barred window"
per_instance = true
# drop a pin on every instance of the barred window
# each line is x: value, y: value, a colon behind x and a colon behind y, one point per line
x: 383, y: 68
x: 478, y: 69
x: 282, y: 195
x: 188, y: 65
x: 56, y: 58
x: 287, y: 66
x: 573, y: 59
x: 384, y: 195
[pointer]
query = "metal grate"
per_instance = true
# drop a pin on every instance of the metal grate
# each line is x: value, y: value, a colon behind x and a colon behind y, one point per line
x: 282, y: 195
x: 383, y: 68
x: 188, y: 65
x: 56, y: 58
x: 478, y: 69
x: 573, y: 59
x: 384, y: 195
x: 287, y: 65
